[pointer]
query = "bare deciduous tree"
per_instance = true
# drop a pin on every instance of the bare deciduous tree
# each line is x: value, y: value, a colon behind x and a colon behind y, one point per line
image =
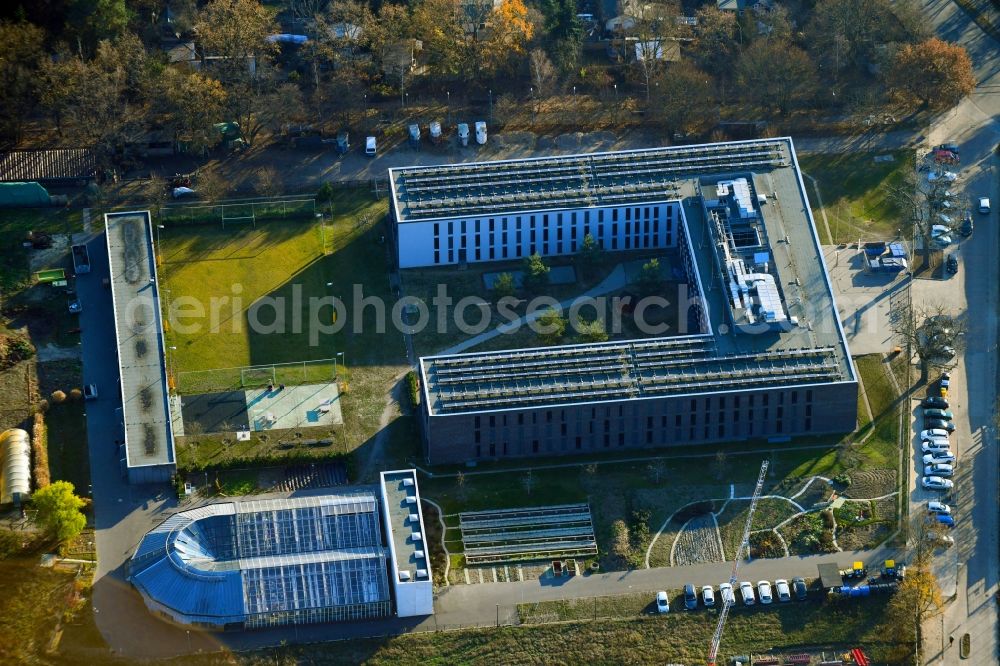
x: 543, y: 73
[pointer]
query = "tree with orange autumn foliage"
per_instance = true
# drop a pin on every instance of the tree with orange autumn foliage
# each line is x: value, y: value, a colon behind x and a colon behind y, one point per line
x: 936, y: 72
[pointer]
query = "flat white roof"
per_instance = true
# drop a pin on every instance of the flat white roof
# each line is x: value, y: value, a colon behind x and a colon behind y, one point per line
x: 149, y: 436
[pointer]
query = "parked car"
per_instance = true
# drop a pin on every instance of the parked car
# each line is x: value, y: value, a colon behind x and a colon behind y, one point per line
x: 939, y: 469
x: 746, y: 591
x: 951, y: 264
x: 90, y: 392
x: 930, y: 445
x: 939, y: 456
x: 967, y: 226
x: 690, y: 597
x: 463, y: 133
x: 481, y: 133
x: 662, y: 603
x: 781, y: 587
x: 934, y: 433
x: 726, y: 594
x: 945, y: 380
x: 934, y: 413
x: 945, y: 519
x: 708, y: 596
x: 764, y: 592
x: 950, y: 146
x: 938, y: 507
x: 984, y: 205
x: 75, y: 307
x: 799, y: 586
x: 370, y: 147
x: 936, y: 483
x: 935, y: 401
x: 939, y: 424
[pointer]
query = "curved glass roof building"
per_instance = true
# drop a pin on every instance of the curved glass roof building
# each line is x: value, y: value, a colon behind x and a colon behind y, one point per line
x: 259, y: 563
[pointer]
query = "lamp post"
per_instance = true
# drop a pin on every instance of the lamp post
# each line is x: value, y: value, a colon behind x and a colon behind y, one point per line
x: 491, y: 106
x: 339, y: 355
x: 448, y: 94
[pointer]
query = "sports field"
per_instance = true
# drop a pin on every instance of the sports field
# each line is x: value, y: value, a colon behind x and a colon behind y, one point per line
x: 284, y: 264
x: 276, y: 267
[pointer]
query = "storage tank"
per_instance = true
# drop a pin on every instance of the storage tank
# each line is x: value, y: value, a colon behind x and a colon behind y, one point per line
x: 15, y: 466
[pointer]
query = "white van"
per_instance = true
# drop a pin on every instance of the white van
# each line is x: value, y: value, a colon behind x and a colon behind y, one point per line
x: 463, y: 133
x: 480, y: 132
x: 370, y: 146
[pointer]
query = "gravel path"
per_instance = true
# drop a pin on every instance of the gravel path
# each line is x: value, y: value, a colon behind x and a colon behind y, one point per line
x: 698, y: 542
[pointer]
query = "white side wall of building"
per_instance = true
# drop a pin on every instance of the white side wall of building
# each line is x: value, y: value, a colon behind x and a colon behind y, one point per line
x: 512, y: 236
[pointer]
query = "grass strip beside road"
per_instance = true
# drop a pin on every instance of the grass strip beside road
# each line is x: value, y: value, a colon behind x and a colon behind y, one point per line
x: 854, y: 193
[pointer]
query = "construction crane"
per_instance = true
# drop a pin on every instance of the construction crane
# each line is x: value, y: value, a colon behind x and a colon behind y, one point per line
x: 713, y: 648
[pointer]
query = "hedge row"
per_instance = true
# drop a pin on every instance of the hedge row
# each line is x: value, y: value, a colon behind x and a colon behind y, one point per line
x: 40, y: 451
x: 413, y: 388
x: 263, y: 460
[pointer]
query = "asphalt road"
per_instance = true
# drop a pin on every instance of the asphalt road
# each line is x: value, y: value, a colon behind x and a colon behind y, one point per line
x: 976, y: 571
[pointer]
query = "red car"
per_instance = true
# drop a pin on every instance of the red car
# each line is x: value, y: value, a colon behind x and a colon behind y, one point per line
x: 945, y: 157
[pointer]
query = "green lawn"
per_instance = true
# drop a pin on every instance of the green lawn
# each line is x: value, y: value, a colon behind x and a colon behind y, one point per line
x: 285, y: 261
x: 468, y: 284
x: 853, y: 188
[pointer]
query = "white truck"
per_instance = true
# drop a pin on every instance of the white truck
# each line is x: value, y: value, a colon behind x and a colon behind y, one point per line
x: 481, y: 133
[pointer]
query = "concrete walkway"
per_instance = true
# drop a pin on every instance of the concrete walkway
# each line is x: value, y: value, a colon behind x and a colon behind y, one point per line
x: 617, y: 279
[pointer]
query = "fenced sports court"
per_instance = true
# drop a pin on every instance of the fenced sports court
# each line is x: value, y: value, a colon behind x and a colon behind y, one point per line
x: 536, y: 533
x: 240, y: 212
x: 317, y: 371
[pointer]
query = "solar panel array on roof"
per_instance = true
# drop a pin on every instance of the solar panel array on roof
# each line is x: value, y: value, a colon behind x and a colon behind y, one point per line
x: 472, y: 382
x: 567, y: 182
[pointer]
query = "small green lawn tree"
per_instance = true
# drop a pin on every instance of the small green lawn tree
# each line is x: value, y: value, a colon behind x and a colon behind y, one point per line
x: 536, y: 273
x: 59, y: 511
x: 551, y: 326
x: 593, y: 331
x: 504, y: 285
x: 650, y: 280
x: 589, y: 256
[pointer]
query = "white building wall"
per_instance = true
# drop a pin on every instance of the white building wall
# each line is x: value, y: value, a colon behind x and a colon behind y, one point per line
x: 513, y: 236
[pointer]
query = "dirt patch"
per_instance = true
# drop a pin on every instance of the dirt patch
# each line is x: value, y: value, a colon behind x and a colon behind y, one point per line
x: 15, y: 397
x: 871, y: 483
x: 698, y: 542
x: 863, y: 537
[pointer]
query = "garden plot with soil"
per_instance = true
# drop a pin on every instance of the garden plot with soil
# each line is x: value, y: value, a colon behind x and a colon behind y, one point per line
x: 698, y: 542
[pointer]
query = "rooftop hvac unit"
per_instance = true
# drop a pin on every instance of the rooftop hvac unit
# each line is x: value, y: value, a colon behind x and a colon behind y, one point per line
x: 404, y: 576
x: 411, y: 500
x: 417, y: 536
x: 421, y: 573
x: 415, y: 518
x: 419, y: 554
x: 407, y: 483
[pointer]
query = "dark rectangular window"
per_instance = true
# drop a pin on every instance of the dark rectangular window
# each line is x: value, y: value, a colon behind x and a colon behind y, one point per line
x: 649, y: 436
x: 493, y: 450
x: 562, y: 429
x: 534, y: 446
x: 809, y: 395
x: 520, y: 419
x: 621, y: 439
x: 677, y: 421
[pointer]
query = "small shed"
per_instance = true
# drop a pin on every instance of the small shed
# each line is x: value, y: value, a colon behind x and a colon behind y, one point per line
x: 829, y: 575
x: 15, y: 466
